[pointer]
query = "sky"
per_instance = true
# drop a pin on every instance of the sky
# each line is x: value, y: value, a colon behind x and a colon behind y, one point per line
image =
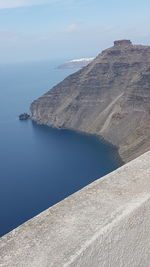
x: 35, y: 30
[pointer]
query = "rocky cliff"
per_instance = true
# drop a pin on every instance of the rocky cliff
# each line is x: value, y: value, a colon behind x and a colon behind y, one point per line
x: 109, y: 97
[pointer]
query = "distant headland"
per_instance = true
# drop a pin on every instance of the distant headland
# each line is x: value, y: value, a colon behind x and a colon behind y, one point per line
x: 110, y: 97
x: 76, y: 63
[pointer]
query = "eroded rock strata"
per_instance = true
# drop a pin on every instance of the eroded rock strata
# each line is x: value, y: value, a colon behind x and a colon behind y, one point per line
x: 109, y: 97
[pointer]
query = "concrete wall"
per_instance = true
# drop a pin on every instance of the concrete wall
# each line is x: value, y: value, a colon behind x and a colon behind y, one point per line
x: 106, y: 224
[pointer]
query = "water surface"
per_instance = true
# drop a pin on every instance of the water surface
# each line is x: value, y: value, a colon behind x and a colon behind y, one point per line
x: 40, y: 166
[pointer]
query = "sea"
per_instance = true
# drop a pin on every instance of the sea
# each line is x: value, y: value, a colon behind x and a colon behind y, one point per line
x: 39, y: 165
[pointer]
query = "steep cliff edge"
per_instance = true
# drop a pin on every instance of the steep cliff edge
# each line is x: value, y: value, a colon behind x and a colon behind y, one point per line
x: 109, y: 97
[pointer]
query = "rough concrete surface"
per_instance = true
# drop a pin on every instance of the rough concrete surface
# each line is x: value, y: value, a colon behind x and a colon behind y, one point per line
x: 106, y: 224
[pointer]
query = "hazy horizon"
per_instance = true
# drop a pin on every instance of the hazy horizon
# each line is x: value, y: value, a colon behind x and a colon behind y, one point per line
x: 39, y: 30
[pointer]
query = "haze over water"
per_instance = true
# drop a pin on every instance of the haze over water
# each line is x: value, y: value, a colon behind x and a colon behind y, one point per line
x: 40, y: 166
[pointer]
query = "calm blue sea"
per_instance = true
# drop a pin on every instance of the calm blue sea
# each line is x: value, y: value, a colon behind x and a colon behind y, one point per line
x: 40, y: 166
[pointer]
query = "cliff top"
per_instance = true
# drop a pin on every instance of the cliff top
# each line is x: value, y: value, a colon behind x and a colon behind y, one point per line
x: 122, y: 43
x: 109, y: 97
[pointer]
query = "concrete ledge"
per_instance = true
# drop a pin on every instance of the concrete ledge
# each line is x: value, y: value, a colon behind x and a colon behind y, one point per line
x: 106, y: 224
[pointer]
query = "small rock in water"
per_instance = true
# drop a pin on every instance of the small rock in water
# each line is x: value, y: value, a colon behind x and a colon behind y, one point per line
x: 24, y: 116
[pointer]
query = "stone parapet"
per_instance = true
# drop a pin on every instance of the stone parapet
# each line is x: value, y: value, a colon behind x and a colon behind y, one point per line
x: 106, y: 224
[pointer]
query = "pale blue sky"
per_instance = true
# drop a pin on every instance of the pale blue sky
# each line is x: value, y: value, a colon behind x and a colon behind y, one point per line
x: 44, y: 29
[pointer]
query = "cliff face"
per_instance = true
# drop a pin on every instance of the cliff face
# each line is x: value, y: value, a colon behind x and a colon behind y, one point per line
x: 109, y: 97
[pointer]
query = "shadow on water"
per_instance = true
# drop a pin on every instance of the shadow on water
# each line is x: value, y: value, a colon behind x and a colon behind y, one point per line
x: 39, y: 166
x: 49, y: 165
